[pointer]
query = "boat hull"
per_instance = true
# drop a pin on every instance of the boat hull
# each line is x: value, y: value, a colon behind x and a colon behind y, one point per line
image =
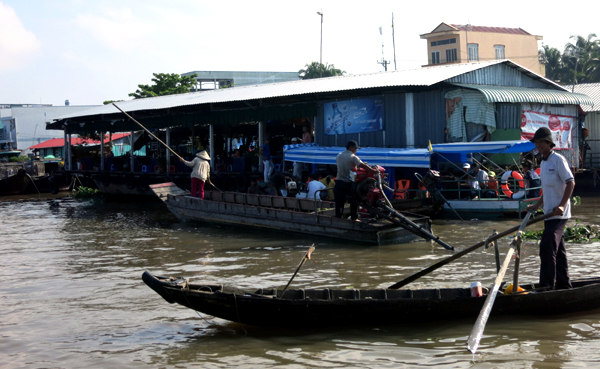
x: 488, y: 207
x: 280, y: 215
x: 330, y: 307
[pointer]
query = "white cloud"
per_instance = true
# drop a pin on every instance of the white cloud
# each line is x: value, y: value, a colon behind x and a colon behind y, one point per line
x: 17, y: 45
x: 117, y: 30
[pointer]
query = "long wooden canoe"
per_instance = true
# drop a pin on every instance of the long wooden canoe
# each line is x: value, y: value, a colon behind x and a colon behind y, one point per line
x: 284, y: 214
x: 325, y: 307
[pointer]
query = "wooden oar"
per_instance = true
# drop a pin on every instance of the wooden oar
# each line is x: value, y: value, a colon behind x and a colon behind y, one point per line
x: 210, y: 183
x: 484, y: 314
x: 304, y: 258
x: 150, y: 133
x: 439, y: 264
x: 158, y: 139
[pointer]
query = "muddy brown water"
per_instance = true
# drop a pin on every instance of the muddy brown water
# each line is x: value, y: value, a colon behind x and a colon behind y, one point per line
x: 73, y: 297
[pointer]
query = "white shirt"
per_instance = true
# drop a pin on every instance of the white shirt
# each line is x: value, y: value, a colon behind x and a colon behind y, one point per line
x: 314, y: 186
x: 200, y: 168
x: 555, y: 174
x: 482, y: 178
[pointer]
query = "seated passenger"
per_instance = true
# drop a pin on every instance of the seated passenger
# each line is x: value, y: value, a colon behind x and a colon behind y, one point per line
x: 470, y: 182
x: 254, y: 188
x: 313, y: 186
x: 329, y: 183
x: 482, y: 178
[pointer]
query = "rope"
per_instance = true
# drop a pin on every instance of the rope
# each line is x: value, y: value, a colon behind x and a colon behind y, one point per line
x: 237, y: 312
x: 189, y: 303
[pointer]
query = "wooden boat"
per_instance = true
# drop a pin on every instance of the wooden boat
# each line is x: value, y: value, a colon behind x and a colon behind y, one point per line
x: 489, y: 207
x: 325, y: 307
x: 287, y: 214
x: 15, y: 181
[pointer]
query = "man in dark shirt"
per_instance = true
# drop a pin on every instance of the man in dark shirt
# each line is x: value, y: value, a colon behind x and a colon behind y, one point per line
x: 532, y: 180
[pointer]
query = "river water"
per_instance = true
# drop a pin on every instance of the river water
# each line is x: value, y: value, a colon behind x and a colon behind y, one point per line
x: 73, y: 295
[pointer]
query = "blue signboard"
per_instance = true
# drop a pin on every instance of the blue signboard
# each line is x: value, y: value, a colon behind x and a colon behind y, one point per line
x: 353, y: 116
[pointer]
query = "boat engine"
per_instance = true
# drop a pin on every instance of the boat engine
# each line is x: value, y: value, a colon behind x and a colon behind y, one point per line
x: 366, y: 187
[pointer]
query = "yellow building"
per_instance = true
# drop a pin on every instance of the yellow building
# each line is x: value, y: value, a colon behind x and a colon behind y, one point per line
x: 453, y: 43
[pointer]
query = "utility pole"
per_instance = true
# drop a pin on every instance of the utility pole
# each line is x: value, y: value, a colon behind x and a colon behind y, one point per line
x: 321, y: 54
x: 383, y: 61
x: 576, y: 51
x: 394, y: 42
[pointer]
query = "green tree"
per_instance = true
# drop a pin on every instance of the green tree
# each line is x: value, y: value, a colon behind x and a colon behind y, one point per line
x: 578, y: 63
x: 318, y: 70
x: 165, y: 84
x: 552, y: 58
x: 582, y: 59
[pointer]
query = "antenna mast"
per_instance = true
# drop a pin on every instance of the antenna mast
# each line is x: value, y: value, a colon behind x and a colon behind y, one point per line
x: 394, y: 42
x: 383, y: 61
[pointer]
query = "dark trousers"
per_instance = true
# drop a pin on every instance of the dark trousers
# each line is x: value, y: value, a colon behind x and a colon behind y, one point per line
x: 340, y: 191
x: 554, y: 271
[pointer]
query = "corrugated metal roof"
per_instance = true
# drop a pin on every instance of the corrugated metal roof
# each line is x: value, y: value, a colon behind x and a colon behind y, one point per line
x: 413, y: 77
x: 505, y: 94
x: 590, y: 89
x: 514, y: 31
x: 60, y: 142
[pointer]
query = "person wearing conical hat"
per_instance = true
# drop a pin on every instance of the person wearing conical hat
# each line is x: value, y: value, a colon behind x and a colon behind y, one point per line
x: 200, y: 172
x: 557, y: 187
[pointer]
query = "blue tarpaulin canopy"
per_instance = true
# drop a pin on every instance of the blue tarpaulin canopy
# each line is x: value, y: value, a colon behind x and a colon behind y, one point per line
x: 405, y: 158
x: 386, y: 157
x: 491, y: 147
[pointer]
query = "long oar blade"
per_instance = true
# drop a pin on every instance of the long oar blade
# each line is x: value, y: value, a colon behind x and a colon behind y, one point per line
x: 484, y: 314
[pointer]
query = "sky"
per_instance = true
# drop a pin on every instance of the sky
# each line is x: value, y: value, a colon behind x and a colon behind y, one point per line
x: 89, y: 51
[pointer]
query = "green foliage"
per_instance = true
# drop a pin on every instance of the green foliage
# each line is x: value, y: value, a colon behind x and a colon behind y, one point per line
x: 581, y: 233
x: 578, y: 233
x: 578, y: 63
x: 85, y: 193
x: 532, y: 235
x: 110, y: 101
x: 18, y: 159
x: 318, y: 70
x: 576, y: 200
x: 165, y: 84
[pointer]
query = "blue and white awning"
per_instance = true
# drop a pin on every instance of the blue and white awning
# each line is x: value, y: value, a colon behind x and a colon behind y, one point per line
x: 405, y: 158
x: 386, y: 157
x: 491, y: 147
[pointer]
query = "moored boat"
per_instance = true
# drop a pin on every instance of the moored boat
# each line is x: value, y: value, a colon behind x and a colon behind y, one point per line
x: 285, y: 214
x: 327, y: 307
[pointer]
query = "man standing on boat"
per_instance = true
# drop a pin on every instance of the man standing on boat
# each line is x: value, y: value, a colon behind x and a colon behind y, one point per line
x: 200, y: 172
x: 557, y: 187
x: 268, y: 166
x: 347, y: 161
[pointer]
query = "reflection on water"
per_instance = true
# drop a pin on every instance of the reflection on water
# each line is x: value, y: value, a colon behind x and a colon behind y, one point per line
x: 73, y: 295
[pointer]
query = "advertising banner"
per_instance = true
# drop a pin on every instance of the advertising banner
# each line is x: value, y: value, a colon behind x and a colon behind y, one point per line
x: 353, y: 116
x: 559, y: 125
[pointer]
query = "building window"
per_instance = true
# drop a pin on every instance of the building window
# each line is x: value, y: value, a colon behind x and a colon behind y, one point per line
x: 473, y: 52
x: 443, y: 42
x: 435, y: 57
x: 450, y: 55
x: 499, y: 51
